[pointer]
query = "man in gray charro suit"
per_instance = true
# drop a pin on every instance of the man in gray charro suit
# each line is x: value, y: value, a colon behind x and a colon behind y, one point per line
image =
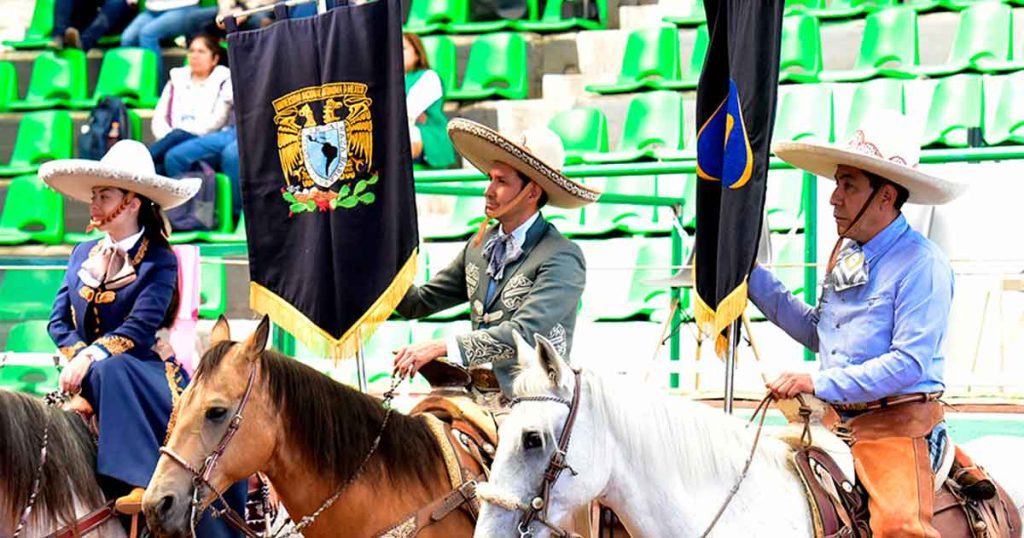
x: 520, y: 275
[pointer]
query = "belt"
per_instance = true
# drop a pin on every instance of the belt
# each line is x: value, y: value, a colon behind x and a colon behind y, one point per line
x: 888, y: 401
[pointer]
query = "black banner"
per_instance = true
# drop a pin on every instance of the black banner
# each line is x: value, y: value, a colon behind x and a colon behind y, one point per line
x: 735, y: 115
x: 327, y: 182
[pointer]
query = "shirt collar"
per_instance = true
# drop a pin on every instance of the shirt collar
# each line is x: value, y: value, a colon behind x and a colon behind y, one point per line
x: 127, y: 243
x: 884, y: 240
x: 519, y: 234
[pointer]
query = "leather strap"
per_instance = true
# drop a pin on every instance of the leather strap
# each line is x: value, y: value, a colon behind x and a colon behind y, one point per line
x: 889, y: 401
x: 87, y: 524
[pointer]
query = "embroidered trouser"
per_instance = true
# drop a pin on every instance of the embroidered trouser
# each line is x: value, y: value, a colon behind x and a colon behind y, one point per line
x: 890, y: 453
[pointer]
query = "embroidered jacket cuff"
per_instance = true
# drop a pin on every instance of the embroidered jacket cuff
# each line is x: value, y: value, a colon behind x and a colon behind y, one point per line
x: 114, y: 344
x: 69, y: 352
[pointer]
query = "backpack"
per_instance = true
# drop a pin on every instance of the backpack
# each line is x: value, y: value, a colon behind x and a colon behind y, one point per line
x: 199, y: 213
x: 108, y: 122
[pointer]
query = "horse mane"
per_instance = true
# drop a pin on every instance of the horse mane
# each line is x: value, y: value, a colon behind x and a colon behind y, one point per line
x: 333, y: 425
x: 661, y: 430
x: 68, y: 474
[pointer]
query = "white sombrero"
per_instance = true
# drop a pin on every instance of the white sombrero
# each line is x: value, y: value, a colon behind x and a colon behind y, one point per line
x: 129, y: 166
x: 884, y: 145
x: 539, y: 157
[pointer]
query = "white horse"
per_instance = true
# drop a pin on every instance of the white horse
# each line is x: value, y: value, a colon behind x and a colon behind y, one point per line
x: 664, y: 465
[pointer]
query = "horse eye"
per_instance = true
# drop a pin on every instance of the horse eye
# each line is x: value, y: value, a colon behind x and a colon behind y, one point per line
x: 216, y: 414
x: 531, y: 440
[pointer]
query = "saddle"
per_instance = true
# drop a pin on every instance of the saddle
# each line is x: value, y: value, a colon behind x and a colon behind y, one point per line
x: 839, y: 506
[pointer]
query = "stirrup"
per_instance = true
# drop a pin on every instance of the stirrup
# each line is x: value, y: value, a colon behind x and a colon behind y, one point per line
x: 974, y: 483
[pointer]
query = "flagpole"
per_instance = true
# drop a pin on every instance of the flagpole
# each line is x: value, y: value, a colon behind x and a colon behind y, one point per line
x: 361, y: 379
x: 730, y: 364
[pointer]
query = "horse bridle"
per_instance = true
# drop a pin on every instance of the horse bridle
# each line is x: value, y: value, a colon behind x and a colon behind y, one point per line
x: 537, y: 509
x: 201, y: 477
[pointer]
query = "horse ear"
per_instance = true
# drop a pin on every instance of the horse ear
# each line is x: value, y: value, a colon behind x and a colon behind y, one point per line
x: 549, y: 359
x: 257, y: 342
x: 221, y: 331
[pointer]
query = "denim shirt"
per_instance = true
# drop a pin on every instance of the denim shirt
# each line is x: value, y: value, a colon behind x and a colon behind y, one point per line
x: 880, y: 339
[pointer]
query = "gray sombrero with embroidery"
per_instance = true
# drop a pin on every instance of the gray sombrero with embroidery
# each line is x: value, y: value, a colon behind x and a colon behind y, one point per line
x: 129, y: 166
x: 539, y: 157
x: 883, y: 145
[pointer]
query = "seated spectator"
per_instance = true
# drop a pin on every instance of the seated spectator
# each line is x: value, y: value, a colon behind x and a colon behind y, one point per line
x: 197, y: 99
x: 226, y: 8
x: 164, y: 19
x: 80, y: 24
x: 424, y: 101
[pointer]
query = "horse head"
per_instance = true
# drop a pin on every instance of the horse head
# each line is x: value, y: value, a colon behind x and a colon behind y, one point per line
x: 519, y: 495
x: 209, y: 446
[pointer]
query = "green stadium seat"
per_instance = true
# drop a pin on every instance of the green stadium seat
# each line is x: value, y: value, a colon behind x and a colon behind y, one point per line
x: 8, y: 85
x: 696, y: 17
x: 651, y: 54
x: 604, y: 218
x: 497, y: 67
x: 689, y: 213
x: 957, y: 5
x: 40, y: 29
x: 31, y: 213
x: 688, y: 78
x: 654, y: 122
x: 128, y: 73
x: 956, y: 108
x: 441, y: 54
x: 804, y: 112
x: 28, y: 293
x: 841, y: 9
x: 983, y: 41
x: 617, y: 292
x: 570, y: 222
x: 551, y: 19
x: 57, y: 78
x: 802, y: 6
x: 30, y: 337
x: 36, y: 375
x: 800, y: 56
x: 237, y: 235
x: 888, y: 48
x: 879, y: 94
x: 582, y: 130
x: 42, y: 136
x: 429, y: 16
x: 213, y: 289
x: 1006, y: 124
x: 784, y: 200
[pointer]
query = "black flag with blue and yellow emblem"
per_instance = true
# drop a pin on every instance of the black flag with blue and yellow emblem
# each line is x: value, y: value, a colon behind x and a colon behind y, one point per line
x: 327, y: 181
x: 735, y: 116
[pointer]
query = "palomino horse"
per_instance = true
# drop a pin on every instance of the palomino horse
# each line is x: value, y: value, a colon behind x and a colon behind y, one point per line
x: 328, y: 449
x: 665, y: 466
x: 64, y: 479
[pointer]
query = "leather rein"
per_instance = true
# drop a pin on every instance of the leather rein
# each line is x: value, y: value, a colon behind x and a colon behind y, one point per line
x: 537, y: 510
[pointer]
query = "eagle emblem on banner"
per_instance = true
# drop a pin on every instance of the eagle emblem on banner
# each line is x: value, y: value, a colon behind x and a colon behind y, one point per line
x: 325, y: 145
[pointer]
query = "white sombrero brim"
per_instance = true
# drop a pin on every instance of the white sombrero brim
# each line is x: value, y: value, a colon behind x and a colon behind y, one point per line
x: 483, y: 147
x: 76, y: 178
x: 823, y: 160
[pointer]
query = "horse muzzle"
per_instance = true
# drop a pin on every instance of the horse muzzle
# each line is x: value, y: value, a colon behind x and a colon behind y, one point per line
x: 167, y: 512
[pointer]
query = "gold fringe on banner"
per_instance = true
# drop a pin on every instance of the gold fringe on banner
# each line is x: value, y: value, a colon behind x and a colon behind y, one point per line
x: 319, y: 341
x: 711, y: 322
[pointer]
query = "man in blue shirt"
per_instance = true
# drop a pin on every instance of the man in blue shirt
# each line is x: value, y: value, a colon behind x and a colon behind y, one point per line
x: 880, y: 322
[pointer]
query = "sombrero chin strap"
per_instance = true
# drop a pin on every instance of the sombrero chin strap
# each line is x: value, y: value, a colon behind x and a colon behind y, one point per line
x: 853, y: 226
x: 500, y: 212
x: 93, y: 224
